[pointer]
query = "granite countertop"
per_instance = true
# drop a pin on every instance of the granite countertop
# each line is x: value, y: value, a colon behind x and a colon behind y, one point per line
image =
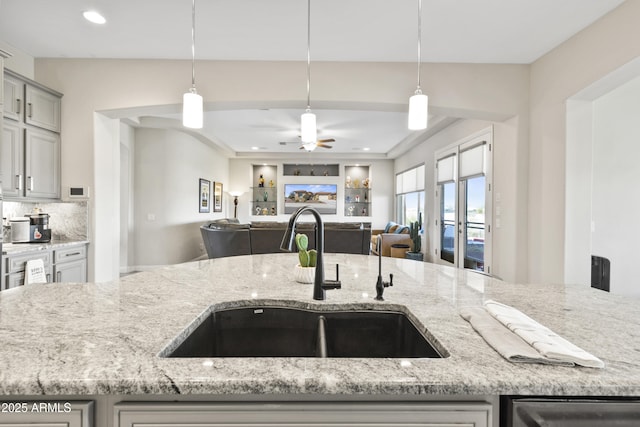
x: 17, y: 248
x: 105, y: 338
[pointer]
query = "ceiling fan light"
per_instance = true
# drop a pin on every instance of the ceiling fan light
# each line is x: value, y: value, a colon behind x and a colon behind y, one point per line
x: 308, y: 130
x: 192, y: 110
x: 418, y: 111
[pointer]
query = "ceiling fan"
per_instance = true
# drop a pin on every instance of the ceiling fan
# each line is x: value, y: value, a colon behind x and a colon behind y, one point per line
x: 319, y: 143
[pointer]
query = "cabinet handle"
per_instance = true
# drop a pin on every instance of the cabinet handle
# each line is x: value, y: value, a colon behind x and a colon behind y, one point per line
x: 72, y: 254
x: 19, y: 182
x: 18, y: 105
x: 30, y: 178
x: 29, y: 109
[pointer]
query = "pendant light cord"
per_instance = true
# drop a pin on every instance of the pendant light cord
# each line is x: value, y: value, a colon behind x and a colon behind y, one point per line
x: 308, y: 54
x: 419, y: 39
x: 193, y: 45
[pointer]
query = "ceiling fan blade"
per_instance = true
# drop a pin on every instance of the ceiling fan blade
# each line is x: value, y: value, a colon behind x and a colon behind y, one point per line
x: 320, y: 144
x: 327, y: 140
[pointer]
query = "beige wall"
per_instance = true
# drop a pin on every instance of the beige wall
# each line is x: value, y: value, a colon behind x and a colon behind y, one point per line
x: 596, y: 51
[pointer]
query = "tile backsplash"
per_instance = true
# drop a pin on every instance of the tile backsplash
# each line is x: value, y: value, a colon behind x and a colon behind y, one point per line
x: 67, y: 220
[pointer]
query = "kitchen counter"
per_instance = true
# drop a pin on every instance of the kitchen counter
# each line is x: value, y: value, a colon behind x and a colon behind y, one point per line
x: 18, y: 248
x: 104, y: 338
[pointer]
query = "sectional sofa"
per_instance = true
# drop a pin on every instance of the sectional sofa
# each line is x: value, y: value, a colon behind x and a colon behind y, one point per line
x: 227, y: 237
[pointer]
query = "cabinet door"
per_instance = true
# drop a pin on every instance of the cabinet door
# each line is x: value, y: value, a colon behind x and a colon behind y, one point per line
x: 42, y: 108
x: 13, y: 104
x: 75, y: 271
x: 11, y: 159
x: 45, y: 413
x: 42, y: 165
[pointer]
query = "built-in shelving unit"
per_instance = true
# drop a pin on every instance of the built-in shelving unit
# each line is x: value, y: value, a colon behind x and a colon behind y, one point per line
x: 357, y: 191
x: 264, y: 193
x: 311, y: 169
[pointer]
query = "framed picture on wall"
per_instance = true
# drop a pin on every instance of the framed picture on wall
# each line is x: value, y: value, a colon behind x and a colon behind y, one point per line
x: 204, y: 195
x: 217, y: 197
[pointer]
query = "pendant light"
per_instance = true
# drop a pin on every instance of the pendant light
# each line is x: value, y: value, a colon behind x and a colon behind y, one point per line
x: 419, y: 102
x: 308, y: 130
x: 192, y: 110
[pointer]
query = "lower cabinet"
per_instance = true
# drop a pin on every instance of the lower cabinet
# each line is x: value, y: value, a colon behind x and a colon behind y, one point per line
x: 46, y: 413
x: 70, y: 264
x: 171, y: 414
x: 65, y: 264
x: 16, y: 264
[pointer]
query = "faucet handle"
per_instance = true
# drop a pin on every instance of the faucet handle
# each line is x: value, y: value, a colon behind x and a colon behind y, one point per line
x: 333, y: 284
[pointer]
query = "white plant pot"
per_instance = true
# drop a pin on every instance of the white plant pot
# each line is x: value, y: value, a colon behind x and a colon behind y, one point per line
x: 304, y: 274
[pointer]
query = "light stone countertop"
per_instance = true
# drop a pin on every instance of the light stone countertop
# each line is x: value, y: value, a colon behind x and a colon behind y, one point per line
x: 20, y: 248
x: 76, y: 339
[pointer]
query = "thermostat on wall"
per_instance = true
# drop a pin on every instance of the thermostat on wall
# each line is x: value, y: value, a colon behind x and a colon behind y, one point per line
x: 78, y: 192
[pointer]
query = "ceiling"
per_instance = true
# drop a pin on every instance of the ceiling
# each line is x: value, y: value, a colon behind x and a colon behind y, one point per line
x: 487, y: 31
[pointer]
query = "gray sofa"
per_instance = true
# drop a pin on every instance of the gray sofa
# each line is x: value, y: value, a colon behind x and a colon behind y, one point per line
x: 227, y: 237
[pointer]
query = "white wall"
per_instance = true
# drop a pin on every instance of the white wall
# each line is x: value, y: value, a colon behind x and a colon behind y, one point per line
x: 615, y: 199
x: 168, y: 166
x: 127, y: 224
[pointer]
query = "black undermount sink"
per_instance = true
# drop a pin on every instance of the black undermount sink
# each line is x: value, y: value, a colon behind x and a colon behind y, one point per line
x: 291, y: 332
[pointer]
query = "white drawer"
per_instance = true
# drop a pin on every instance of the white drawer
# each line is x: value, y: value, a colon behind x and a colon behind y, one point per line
x: 18, y: 262
x: 69, y: 254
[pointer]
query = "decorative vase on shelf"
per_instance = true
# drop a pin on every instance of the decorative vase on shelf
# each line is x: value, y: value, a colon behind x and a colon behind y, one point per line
x: 266, y: 196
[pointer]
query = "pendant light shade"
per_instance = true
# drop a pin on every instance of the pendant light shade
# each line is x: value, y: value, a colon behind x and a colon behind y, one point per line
x: 192, y: 105
x: 308, y: 129
x: 192, y: 110
x: 309, y: 132
x: 418, y: 111
x: 419, y: 102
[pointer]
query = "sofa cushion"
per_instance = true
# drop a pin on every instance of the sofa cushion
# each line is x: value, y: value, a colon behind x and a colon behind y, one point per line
x: 401, y: 229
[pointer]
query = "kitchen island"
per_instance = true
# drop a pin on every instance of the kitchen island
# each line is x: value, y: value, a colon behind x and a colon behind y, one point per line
x: 100, y: 342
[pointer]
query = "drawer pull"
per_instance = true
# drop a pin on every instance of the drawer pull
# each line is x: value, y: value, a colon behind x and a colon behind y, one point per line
x: 18, y: 106
x: 30, y: 110
x: 72, y: 254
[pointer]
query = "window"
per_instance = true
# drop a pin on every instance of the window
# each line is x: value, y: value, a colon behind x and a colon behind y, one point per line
x: 410, y: 195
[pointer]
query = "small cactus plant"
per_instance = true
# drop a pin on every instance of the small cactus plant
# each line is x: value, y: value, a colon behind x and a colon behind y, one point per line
x: 307, y: 257
x: 414, y: 232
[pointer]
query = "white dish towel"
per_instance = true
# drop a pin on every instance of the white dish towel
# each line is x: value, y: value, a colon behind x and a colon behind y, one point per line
x: 543, y: 339
x: 518, y: 338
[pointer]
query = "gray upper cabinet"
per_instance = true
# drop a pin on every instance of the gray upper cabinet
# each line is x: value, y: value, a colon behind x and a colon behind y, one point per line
x: 30, y: 163
x: 42, y: 108
x: 31, y: 103
x: 13, y: 98
x: 42, y: 164
x: 12, y: 159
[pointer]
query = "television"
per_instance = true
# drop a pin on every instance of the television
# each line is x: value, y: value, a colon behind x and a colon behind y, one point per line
x: 322, y: 197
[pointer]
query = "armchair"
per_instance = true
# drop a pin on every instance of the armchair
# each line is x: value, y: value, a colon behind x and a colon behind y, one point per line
x: 392, y: 234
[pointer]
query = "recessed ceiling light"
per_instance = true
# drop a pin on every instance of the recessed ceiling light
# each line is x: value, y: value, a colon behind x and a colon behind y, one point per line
x: 366, y: 149
x: 93, y: 16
